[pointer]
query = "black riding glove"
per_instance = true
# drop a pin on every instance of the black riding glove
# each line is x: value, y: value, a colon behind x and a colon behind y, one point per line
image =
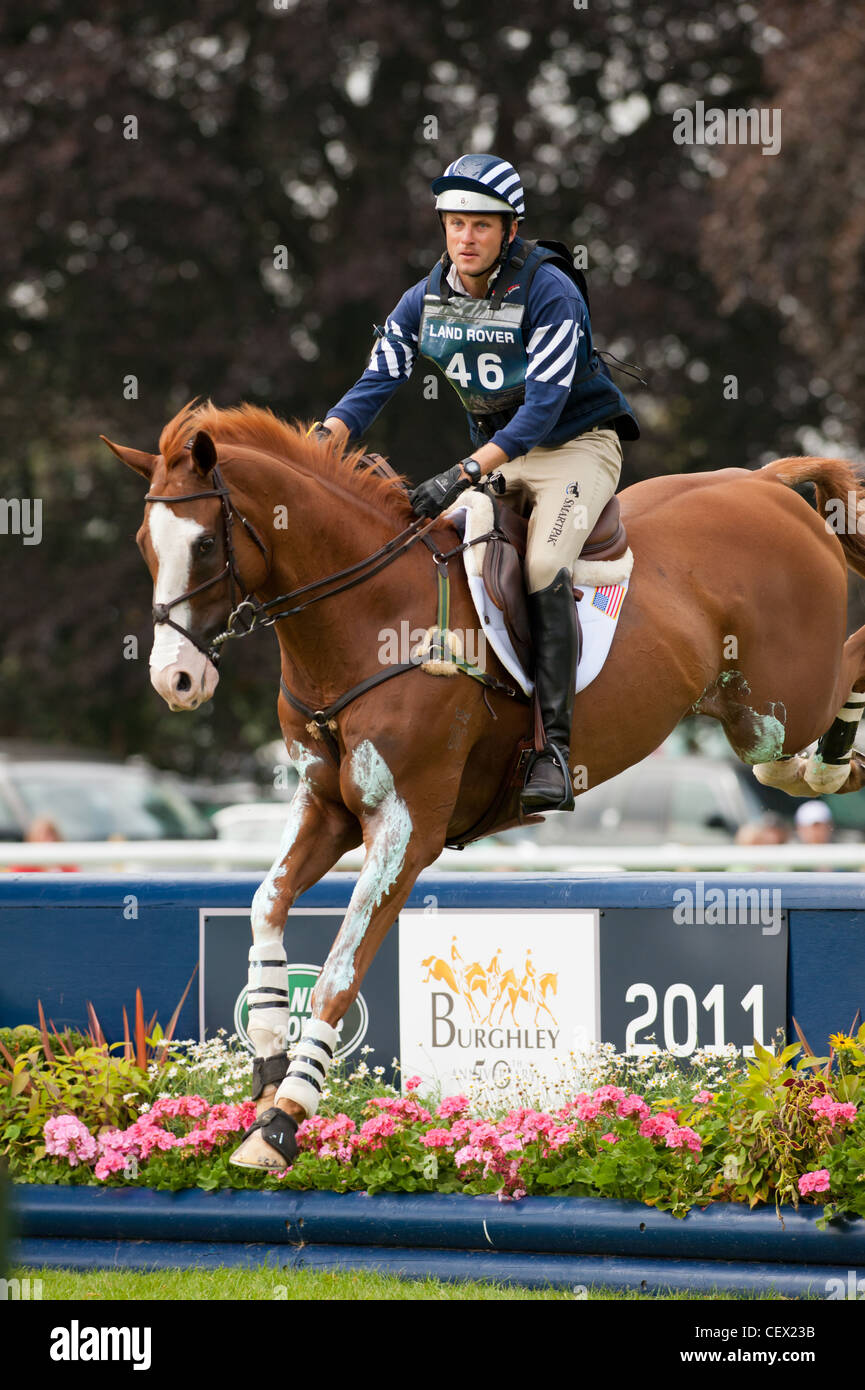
x: 435, y: 495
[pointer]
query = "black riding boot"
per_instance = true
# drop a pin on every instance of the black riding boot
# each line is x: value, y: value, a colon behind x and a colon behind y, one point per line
x: 553, y: 618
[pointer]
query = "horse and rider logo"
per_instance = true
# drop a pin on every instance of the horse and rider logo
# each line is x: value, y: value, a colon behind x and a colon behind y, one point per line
x: 497, y: 992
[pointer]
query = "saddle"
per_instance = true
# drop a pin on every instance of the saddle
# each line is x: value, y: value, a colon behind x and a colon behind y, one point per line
x: 504, y: 582
x: 504, y: 560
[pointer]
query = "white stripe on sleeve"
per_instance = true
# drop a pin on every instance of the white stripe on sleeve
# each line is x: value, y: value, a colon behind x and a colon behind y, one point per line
x: 550, y: 346
x: 568, y: 356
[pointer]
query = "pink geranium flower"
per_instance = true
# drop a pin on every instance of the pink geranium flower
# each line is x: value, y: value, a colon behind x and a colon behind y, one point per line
x: 110, y: 1161
x: 608, y: 1095
x: 437, y: 1139
x: 704, y: 1098
x: 452, y: 1105
x: 657, y: 1126
x: 683, y: 1138
x: 633, y: 1105
x: 814, y: 1182
x: 835, y: 1111
x: 66, y: 1137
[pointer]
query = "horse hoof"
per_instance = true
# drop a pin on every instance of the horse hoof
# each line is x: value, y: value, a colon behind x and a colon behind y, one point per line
x: 825, y: 778
x: 254, y: 1153
x: 787, y: 775
x: 269, y: 1143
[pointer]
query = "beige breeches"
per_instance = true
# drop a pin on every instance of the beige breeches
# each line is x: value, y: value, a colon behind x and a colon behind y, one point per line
x: 565, y: 489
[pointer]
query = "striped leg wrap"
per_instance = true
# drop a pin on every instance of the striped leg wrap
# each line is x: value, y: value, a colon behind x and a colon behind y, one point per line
x: 267, y: 998
x: 309, y: 1066
x: 837, y: 744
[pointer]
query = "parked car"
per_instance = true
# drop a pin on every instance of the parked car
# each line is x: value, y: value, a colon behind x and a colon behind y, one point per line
x: 88, y: 797
x: 681, y: 800
x: 697, y: 733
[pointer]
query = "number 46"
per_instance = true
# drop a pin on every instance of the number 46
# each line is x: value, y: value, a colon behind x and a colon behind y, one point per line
x: 489, y: 370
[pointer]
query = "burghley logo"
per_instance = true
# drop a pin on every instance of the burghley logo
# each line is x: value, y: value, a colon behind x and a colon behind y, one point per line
x: 476, y: 1002
x: 302, y: 980
x: 509, y: 1001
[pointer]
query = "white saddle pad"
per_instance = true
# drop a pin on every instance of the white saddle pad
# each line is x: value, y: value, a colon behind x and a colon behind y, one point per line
x: 599, y: 608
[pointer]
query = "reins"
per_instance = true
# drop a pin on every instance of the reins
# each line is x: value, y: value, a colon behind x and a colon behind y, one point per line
x: 249, y: 614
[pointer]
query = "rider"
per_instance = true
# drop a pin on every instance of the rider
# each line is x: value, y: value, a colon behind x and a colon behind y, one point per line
x: 507, y: 322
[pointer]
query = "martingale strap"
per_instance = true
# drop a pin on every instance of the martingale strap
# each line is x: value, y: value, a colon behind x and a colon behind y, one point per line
x: 320, y: 719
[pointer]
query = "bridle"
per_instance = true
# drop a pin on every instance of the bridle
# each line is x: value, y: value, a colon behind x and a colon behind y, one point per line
x: 229, y: 571
x: 249, y: 614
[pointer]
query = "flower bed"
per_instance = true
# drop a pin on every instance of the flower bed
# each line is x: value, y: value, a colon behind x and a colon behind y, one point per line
x: 777, y: 1128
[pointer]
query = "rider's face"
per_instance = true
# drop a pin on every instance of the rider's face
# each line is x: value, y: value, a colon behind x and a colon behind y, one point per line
x: 473, y: 241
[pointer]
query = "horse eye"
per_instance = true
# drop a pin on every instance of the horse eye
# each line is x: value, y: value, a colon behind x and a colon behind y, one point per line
x: 205, y: 546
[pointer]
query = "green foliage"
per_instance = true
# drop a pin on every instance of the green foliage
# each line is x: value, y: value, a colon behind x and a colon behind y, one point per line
x: 750, y: 1140
x: 100, y: 1090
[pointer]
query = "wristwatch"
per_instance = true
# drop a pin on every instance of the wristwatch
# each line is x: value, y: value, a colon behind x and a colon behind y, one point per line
x: 473, y: 470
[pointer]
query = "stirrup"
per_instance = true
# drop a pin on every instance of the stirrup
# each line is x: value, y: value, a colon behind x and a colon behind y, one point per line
x: 547, y: 803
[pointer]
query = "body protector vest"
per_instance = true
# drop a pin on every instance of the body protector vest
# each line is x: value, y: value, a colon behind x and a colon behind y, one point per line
x: 479, y: 344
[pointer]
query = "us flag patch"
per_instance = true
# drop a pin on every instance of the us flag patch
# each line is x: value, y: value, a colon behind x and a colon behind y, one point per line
x: 609, y: 599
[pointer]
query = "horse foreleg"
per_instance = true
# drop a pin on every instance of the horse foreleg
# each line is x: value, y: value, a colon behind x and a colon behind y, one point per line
x: 316, y: 835
x: 397, y: 849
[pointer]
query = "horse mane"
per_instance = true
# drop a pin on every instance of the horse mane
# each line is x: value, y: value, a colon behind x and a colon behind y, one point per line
x: 255, y: 427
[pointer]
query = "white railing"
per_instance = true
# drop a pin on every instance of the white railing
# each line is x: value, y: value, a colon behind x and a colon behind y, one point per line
x: 160, y: 856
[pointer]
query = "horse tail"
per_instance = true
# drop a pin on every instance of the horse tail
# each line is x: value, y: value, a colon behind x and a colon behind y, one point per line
x: 840, y: 498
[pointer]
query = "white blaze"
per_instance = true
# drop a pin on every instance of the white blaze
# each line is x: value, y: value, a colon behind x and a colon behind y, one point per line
x: 173, y: 537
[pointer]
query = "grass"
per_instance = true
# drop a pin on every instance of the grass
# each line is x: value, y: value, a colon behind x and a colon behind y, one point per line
x: 263, y: 1285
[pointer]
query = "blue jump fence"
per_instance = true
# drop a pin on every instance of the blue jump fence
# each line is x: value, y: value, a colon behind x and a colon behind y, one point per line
x: 66, y: 939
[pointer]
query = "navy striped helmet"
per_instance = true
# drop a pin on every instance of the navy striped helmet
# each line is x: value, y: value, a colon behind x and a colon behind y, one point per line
x: 480, y: 183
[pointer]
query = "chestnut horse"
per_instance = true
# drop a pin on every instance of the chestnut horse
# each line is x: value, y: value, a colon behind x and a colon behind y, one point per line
x: 736, y: 609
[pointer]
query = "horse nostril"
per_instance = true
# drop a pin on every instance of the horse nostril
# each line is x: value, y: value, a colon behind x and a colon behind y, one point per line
x: 183, y: 682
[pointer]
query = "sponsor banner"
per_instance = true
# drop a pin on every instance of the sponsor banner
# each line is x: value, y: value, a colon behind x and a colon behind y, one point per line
x: 225, y: 936
x: 495, y: 995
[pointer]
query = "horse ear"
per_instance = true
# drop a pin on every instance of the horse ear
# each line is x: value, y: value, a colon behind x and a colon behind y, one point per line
x: 203, y: 453
x: 133, y: 458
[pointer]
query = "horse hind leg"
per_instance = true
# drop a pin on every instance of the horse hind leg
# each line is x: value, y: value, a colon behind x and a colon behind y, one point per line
x: 833, y: 768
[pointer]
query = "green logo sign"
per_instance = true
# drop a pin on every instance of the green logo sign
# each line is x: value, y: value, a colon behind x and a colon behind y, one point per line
x: 301, y: 982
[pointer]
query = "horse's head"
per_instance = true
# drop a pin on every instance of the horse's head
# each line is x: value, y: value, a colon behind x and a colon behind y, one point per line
x: 194, y: 555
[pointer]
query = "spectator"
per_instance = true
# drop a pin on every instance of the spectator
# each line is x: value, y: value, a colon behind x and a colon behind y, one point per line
x: 815, y: 826
x: 42, y: 830
x: 814, y: 823
x: 768, y: 830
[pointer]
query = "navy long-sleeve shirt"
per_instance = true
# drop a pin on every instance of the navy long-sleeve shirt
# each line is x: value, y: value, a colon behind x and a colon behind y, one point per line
x: 558, y: 340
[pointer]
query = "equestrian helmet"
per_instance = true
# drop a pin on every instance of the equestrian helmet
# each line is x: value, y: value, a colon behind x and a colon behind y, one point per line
x: 479, y: 183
